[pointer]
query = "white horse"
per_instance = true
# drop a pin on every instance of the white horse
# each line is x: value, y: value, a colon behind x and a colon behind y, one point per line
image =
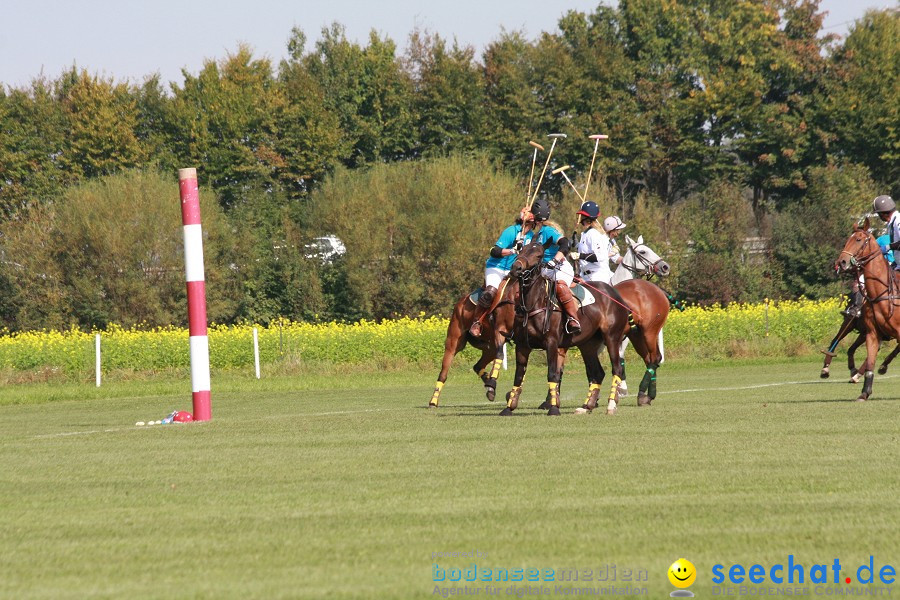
x: 639, y: 260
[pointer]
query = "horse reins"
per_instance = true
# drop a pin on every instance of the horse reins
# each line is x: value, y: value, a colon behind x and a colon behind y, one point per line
x: 859, y: 262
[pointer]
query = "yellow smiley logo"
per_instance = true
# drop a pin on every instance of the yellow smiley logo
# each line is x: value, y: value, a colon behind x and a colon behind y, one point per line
x: 682, y: 573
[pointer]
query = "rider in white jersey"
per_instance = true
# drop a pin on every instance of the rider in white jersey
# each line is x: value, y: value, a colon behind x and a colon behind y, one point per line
x: 593, y: 248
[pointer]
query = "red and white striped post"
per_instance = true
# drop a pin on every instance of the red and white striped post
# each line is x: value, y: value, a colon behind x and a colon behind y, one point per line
x: 196, y: 292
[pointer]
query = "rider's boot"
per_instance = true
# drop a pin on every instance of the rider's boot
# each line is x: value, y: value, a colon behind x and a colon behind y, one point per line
x: 484, y: 304
x: 568, y: 304
x: 854, y: 306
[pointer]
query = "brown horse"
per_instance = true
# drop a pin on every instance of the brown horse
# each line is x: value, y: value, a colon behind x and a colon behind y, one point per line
x: 881, y: 293
x: 538, y: 324
x: 488, y: 365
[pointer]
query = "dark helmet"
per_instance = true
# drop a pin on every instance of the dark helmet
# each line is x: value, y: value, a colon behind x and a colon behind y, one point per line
x: 541, y: 209
x: 884, y: 204
x: 590, y: 210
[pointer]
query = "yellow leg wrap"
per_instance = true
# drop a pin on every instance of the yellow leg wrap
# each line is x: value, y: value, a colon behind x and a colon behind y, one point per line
x: 435, y: 397
x: 482, y: 371
x: 615, y: 387
x: 591, y: 388
x: 513, y: 395
x: 554, y: 393
x: 495, y: 371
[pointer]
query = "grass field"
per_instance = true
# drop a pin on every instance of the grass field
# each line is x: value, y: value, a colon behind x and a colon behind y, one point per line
x: 344, y: 486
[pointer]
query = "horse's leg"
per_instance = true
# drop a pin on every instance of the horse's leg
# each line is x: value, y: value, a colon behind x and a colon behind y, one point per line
x: 456, y: 341
x: 612, y: 346
x: 890, y: 357
x: 846, y: 327
x: 872, y: 342
x: 856, y: 375
x: 561, y: 363
x: 623, y: 387
x: 487, y: 368
x: 645, y: 346
x: 553, y: 376
x: 512, y: 397
x: 595, y: 374
x: 660, y: 345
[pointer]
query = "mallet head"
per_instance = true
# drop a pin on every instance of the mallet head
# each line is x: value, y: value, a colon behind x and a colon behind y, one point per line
x: 561, y: 169
x: 598, y: 136
x: 536, y: 145
x: 557, y: 135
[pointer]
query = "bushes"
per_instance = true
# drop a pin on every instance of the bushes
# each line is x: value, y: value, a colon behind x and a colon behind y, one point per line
x: 697, y: 332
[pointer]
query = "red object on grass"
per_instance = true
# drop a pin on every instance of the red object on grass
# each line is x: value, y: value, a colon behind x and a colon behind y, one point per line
x: 183, y: 417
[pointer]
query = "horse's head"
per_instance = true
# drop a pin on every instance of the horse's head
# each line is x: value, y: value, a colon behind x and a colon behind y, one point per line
x: 860, y: 248
x: 640, y: 258
x: 529, y: 258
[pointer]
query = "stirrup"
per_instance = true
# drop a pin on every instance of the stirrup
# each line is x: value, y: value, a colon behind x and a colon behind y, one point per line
x: 576, y: 325
x: 475, y: 328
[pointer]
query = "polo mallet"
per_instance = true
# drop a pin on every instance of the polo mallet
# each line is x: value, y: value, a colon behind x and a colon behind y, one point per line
x: 596, y: 137
x: 562, y: 171
x: 536, y: 147
x: 555, y: 136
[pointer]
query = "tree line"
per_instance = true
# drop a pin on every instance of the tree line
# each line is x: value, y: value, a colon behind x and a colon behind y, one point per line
x: 726, y: 121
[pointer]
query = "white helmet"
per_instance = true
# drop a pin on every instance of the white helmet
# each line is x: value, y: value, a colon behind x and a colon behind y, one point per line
x: 613, y: 223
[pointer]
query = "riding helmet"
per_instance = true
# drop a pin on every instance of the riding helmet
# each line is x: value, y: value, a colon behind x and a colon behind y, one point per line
x: 613, y: 223
x: 589, y: 210
x: 541, y: 209
x: 884, y: 204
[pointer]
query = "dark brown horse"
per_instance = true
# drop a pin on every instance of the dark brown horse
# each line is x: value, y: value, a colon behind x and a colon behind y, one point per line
x: 488, y: 365
x: 538, y: 324
x: 881, y: 293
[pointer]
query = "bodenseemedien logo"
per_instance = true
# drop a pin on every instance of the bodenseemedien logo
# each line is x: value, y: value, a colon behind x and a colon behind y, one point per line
x: 682, y: 574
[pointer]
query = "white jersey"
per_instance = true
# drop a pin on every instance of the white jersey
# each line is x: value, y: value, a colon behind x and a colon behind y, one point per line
x: 893, y: 231
x: 596, y: 242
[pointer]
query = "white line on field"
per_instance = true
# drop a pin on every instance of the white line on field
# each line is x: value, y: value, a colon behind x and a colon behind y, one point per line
x: 394, y: 409
x: 753, y: 387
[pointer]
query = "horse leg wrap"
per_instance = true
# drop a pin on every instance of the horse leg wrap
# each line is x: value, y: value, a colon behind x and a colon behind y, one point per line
x: 435, y: 397
x: 622, y: 362
x: 867, y: 383
x: 592, y: 395
x: 495, y: 370
x: 554, y: 393
x: 512, y: 398
x: 645, y: 382
x: 651, y: 389
x: 614, y: 393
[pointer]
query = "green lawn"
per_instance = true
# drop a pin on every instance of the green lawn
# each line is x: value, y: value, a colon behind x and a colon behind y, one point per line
x: 343, y: 486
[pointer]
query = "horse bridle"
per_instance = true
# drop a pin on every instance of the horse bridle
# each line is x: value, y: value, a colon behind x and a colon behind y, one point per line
x: 650, y: 267
x: 859, y: 262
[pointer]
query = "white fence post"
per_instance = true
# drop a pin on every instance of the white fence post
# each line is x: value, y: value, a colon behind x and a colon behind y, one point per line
x: 97, y: 357
x: 256, y: 350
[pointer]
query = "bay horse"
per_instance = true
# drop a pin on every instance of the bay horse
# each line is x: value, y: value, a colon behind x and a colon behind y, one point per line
x: 487, y: 367
x: 881, y: 294
x: 539, y: 325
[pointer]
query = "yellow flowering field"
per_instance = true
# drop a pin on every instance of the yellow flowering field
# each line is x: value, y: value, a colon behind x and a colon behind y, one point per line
x: 406, y: 339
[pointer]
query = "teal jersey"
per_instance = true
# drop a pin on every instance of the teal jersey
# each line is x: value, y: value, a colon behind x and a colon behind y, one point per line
x: 507, y: 240
x: 549, y: 233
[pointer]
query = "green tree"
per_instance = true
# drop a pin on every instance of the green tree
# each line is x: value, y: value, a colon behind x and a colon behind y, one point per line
x: 32, y: 137
x: 110, y: 251
x: 809, y: 234
x: 368, y: 91
x: 448, y: 100
x: 101, y: 120
x: 863, y: 102
x: 226, y: 119
x: 417, y: 233
x: 309, y: 135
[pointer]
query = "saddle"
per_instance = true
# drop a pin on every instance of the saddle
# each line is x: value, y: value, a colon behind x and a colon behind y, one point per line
x: 582, y: 295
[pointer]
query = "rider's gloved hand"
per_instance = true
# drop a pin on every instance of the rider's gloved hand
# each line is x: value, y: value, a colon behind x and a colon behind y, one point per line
x: 885, y: 249
x: 574, y: 255
x: 551, y: 264
x: 518, y: 246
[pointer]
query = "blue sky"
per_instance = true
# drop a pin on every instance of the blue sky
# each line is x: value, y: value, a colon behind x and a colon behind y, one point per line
x: 129, y: 39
